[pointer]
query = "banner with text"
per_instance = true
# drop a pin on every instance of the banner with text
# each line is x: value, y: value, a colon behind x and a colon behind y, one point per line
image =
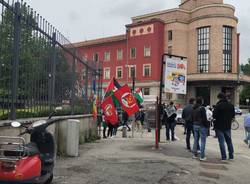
x: 175, y: 75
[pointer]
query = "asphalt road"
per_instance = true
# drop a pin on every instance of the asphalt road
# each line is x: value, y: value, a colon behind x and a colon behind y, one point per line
x: 135, y: 161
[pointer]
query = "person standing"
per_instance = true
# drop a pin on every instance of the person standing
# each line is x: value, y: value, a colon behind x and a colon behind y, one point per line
x: 224, y: 114
x: 187, y: 116
x: 125, y: 120
x: 247, y: 128
x: 138, y: 117
x: 200, y: 125
x: 170, y: 122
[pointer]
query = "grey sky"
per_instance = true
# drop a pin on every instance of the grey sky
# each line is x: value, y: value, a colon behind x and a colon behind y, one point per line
x: 81, y: 20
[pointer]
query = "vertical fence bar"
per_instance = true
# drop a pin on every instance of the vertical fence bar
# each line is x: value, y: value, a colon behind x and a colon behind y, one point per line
x: 15, y: 63
x: 53, y: 71
x: 73, y: 79
x: 86, y: 88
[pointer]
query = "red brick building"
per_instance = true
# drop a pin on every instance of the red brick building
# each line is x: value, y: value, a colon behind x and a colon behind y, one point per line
x: 137, y: 53
x: 203, y: 31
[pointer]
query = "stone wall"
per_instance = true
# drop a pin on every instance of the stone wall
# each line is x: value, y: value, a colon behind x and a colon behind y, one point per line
x: 87, y: 130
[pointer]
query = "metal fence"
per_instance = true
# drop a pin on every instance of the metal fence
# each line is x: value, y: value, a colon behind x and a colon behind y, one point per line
x: 40, y: 68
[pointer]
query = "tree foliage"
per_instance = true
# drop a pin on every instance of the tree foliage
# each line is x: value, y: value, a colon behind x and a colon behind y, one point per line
x: 35, y: 60
x: 245, y: 94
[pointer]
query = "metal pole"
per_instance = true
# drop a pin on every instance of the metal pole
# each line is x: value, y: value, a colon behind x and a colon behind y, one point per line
x: 157, y: 125
x: 72, y: 96
x: 86, y: 88
x: 133, y: 84
x: 127, y: 54
x: 15, y: 61
x: 53, y: 71
x: 160, y: 98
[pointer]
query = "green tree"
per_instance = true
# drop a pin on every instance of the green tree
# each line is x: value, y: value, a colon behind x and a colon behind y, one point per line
x: 245, y: 94
x: 35, y: 60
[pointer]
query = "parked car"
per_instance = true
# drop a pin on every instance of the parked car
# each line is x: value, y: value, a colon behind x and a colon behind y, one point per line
x: 237, y: 110
x: 179, y: 116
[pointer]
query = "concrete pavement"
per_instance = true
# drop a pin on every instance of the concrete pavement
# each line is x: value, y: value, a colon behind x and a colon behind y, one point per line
x: 134, y: 161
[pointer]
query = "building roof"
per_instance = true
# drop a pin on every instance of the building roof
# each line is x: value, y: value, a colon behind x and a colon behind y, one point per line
x: 100, y: 41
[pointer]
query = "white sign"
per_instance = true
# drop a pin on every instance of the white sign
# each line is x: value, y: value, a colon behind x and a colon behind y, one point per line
x: 175, y: 75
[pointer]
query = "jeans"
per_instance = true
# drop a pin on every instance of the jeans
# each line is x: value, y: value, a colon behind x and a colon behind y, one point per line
x: 222, y: 137
x: 170, y: 127
x: 199, y: 132
x: 247, y: 131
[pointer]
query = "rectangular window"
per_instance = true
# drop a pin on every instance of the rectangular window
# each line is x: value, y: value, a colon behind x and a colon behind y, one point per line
x: 119, y: 54
x: 132, y: 71
x: 95, y: 57
x: 119, y: 72
x: 203, y: 49
x: 170, y: 35
x: 132, y: 53
x: 106, y: 73
x: 106, y: 56
x: 227, y: 49
x: 147, y: 70
x: 146, y: 91
x: 147, y: 51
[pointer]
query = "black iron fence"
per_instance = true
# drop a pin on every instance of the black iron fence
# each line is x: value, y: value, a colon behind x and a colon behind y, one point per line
x: 40, y: 68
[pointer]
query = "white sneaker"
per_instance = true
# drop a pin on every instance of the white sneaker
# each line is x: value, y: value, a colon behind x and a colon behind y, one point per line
x: 194, y: 157
x: 203, y: 159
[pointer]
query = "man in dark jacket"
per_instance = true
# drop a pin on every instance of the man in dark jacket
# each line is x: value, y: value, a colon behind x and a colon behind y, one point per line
x: 223, y: 115
x: 200, y: 125
x: 187, y: 116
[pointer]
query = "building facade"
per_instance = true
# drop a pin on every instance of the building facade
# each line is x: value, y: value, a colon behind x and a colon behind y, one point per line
x: 204, y: 31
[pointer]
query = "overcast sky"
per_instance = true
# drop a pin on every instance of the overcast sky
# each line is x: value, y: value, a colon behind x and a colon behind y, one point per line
x: 81, y: 20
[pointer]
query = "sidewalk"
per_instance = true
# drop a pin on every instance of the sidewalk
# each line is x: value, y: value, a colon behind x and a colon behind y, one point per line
x: 134, y: 160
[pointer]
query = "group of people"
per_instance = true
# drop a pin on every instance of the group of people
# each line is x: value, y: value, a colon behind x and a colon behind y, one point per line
x: 197, y: 122
x: 112, y: 128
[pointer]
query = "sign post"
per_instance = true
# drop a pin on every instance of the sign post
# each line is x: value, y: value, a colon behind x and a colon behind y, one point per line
x: 173, y: 81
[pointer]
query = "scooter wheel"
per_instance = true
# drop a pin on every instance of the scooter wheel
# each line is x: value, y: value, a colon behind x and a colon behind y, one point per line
x: 49, y: 180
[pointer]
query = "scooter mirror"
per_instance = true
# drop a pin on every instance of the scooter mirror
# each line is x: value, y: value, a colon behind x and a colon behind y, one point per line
x: 15, y: 124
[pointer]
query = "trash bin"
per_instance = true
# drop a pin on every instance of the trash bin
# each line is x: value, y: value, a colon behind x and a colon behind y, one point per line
x: 72, y: 137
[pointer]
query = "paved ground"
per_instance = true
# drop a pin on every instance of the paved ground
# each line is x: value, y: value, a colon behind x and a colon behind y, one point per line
x: 135, y: 161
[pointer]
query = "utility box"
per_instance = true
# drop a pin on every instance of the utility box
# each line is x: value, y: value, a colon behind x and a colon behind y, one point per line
x: 72, y: 137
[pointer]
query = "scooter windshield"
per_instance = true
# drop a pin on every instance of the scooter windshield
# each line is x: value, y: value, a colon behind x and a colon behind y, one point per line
x: 38, y: 123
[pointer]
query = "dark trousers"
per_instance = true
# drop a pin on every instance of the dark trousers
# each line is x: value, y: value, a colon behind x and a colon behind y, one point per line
x: 170, y: 127
x: 110, y: 130
x: 225, y: 136
x: 104, y: 132
x: 189, y: 131
x: 125, y: 123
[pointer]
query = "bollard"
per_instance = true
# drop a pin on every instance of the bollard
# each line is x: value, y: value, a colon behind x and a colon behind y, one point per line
x: 124, y: 132
x: 72, y: 137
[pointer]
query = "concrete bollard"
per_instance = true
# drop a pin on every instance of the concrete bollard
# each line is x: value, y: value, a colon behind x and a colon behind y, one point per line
x: 72, y: 138
x: 124, y: 132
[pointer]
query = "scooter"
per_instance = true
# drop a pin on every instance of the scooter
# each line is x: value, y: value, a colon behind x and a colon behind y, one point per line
x: 22, y: 163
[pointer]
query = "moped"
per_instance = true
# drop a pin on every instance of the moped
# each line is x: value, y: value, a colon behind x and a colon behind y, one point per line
x: 28, y: 163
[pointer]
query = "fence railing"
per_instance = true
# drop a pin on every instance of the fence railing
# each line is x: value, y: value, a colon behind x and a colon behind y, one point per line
x: 40, y: 68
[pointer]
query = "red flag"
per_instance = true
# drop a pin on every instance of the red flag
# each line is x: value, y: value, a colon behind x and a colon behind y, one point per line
x: 109, y: 110
x: 127, y: 100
